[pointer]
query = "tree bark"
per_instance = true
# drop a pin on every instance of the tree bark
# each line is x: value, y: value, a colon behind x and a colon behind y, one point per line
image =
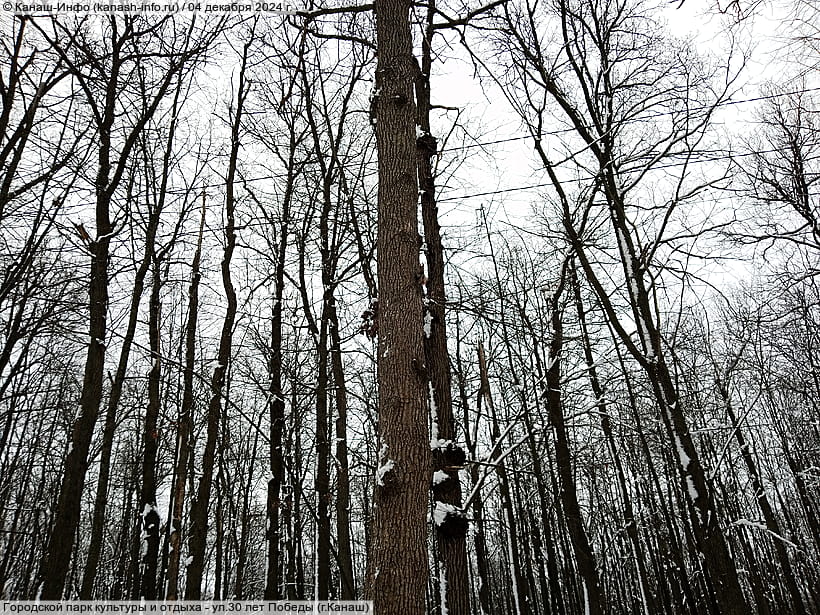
x: 149, y: 516
x: 58, y: 554
x: 398, y: 557
x: 451, y: 547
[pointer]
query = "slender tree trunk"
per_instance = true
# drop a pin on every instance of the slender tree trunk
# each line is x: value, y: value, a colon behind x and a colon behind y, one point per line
x: 684, y: 594
x: 199, y: 508
x: 520, y: 588
x: 647, y: 598
x: 101, y: 497
x: 149, y: 515
x: 772, y: 524
x: 479, y: 545
x: 555, y: 603
x: 184, y: 419
x: 322, y: 476
x: 345, y: 560
x: 219, y: 539
x: 242, y: 555
x: 276, y: 401
x: 58, y: 554
x: 584, y: 556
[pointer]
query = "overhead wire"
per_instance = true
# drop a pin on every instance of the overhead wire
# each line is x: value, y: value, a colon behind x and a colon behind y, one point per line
x: 529, y: 136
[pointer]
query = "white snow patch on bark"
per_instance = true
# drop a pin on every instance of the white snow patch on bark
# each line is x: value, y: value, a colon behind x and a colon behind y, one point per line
x: 386, y: 467
x: 442, y: 585
x: 693, y: 491
x: 435, y: 442
x: 685, y: 460
x: 428, y: 324
x: 441, y: 511
x: 440, y: 476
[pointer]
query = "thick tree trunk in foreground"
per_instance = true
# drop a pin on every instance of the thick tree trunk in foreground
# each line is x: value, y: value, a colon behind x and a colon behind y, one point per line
x: 398, y: 556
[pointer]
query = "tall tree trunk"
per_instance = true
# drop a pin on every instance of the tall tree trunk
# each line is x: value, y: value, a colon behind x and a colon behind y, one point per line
x: 242, y: 555
x: 682, y: 589
x: 61, y: 542
x: 184, y: 418
x: 451, y: 547
x: 199, y: 508
x: 762, y: 499
x: 149, y: 515
x: 55, y: 565
x: 276, y: 399
x: 581, y: 547
x: 345, y: 560
x: 101, y: 497
x: 395, y: 579
x: 650, y: 355
x: 630, y: 525
x: 520, y: 589
x: 555, y: 603
x: 479, y: 545
x: 321, y: 481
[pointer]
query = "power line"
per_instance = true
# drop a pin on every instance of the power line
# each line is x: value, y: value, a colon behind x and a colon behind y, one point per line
x: 512, y: 139
x: 591, y: 177
x: 654, y: 115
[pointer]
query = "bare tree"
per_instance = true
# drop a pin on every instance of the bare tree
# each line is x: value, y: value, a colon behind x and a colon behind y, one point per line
x: 781, y: 170
x: 398, y: 545
x: 602, y: 81
x: 199, y: 507
x: 105, y: 93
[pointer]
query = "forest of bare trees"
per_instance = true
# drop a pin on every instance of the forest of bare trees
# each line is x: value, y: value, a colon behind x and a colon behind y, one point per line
x: 282, y: 317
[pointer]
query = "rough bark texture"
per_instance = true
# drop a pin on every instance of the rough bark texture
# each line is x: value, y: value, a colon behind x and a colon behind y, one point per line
x: 451, y: 547
x: 398, y: 544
